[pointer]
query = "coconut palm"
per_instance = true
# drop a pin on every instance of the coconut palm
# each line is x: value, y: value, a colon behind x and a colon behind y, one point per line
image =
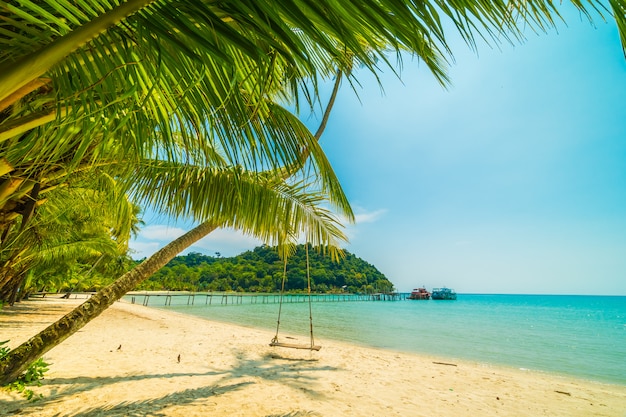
x: 215, y: 185
x: 274, y: 205
x: 261, y: 204
x: 76, y: 223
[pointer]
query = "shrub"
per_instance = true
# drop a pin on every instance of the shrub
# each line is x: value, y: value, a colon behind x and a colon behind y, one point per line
x: 33, y: 375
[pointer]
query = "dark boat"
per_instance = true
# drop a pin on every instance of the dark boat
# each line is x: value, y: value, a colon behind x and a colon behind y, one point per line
x: 443, y: 294
x: 419, y: 294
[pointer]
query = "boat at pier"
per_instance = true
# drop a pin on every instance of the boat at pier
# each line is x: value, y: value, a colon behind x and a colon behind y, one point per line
x: 419, y: 294
x: 443, y: 294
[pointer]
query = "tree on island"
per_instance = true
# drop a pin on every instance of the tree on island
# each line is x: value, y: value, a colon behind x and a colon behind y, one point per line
x: 261, y: 270
x: 153, y: 86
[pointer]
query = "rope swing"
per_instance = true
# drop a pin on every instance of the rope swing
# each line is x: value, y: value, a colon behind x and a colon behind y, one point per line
x: 275, y: 342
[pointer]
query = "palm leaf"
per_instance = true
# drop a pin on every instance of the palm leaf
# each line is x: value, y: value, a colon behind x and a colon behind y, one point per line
x: 259, y: 204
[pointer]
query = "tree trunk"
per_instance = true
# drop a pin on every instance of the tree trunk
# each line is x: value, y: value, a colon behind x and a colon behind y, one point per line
x: 15, y: 290
x: 18, y: 360
x: 8, y: 276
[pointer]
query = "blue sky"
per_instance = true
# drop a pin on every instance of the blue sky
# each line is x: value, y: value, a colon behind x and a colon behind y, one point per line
x: 511, y: 180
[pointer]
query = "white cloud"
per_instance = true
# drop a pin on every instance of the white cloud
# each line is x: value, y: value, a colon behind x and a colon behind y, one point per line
x: 227, y: 242
x: 141, y: 250
x: 160, y: 232
x: 361, y: 217
x: 369, y: 217
x: 152, y: 238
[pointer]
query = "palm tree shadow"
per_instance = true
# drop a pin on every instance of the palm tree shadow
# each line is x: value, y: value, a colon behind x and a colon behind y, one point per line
x: 153, y: 406
x: 73, y: 386
x: 291, y: 372
x: 81, y: 384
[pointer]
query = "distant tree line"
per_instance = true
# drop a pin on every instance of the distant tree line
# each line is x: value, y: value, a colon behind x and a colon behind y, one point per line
x: 261, y: 270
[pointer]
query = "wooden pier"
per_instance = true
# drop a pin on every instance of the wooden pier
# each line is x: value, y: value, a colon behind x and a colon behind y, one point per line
x: 183, y: 298
x: 218, y: 298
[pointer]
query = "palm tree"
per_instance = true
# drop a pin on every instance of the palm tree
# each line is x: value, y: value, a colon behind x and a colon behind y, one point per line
x: 76, y: 223
x: 262, y: 204
x: 259, y: 203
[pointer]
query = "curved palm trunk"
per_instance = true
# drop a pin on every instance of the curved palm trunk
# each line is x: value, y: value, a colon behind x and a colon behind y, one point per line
x: 18, y: 360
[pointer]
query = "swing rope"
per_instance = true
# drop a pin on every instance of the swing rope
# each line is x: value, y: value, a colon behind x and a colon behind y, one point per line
x: 275, y: 342
x: 308, y: 283
x: 280, y: 301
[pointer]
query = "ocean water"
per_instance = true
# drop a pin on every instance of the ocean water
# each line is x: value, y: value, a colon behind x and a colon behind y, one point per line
x: 581, y: 336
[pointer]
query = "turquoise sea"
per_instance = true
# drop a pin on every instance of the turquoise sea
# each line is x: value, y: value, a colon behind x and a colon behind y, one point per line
x: 581, y: 336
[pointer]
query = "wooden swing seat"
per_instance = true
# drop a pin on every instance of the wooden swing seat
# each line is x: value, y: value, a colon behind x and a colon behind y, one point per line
x: 294, y: 346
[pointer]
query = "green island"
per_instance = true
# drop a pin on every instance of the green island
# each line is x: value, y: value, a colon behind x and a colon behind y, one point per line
x: 261, y: 270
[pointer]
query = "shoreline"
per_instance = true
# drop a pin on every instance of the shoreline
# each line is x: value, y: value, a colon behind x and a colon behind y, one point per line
x: 514, y: 339
x: 135, y: 360
x: 426, y: 355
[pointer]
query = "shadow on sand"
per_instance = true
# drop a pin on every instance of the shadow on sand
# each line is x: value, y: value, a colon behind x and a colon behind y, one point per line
x: 292, y: 372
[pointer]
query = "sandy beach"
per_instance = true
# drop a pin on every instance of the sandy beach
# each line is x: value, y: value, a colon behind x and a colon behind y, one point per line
x: 137, y: 361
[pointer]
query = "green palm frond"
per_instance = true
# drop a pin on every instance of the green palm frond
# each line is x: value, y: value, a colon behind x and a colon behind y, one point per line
x: 358, y: 25
x: 152, y: 40
x: 76, y: 223
x: 144, y: 75
x: 260, y: 204
x: 90, y: 83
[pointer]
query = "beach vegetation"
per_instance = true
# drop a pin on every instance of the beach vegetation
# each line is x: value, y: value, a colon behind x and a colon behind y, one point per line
x: 31, y: 377
x: 184, y: 104
x: 79, y: 237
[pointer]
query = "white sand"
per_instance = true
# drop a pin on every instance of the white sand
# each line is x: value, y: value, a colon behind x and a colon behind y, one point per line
x: 125, y: 363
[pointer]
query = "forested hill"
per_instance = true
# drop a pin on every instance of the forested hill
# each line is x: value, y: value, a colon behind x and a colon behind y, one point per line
x: 261, y: 270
